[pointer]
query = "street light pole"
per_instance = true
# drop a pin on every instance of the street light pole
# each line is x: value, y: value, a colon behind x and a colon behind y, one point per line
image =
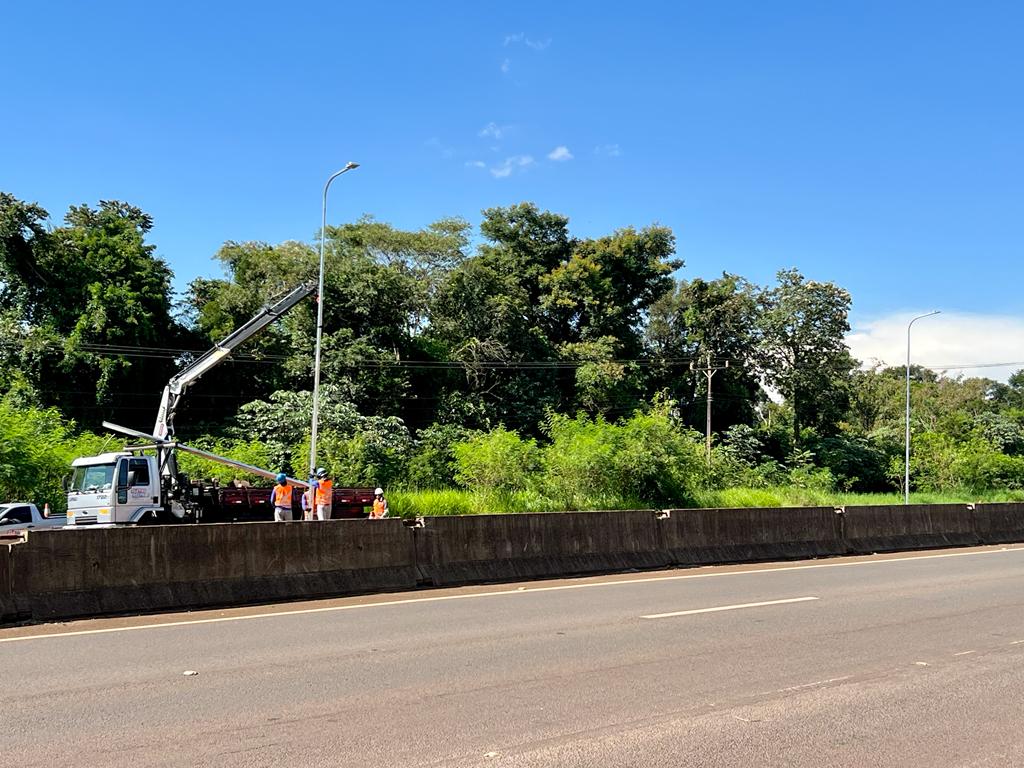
x: 906, y: 458
x: 320, y: 322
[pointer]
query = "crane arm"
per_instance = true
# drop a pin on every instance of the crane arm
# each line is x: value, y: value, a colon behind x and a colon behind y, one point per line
x: 190, y: 374
x: 166, y: 445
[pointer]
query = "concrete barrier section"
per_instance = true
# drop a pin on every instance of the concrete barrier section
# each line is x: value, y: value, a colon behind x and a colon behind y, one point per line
x: 999, y: 523
x: 461, y: 550
x: 7, y: 609
x: 60, y: 574
x: 697, y: 536
x: 915, y: 526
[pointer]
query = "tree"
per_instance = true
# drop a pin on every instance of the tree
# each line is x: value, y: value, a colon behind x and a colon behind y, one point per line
x: 607, y: 285
x: 803, y: 352
x: 487, y: 315
x: 700, y: 318
x: 84, y: 299
x: 378, y: 280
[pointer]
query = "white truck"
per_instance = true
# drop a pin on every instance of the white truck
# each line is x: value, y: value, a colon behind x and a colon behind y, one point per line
x: 18, y: 517
x: 141, y: 483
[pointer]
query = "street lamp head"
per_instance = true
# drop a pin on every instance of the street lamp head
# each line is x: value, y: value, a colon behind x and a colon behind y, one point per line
x: 350, y: 165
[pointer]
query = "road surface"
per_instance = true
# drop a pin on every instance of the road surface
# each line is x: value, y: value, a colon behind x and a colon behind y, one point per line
x: 897, y: 660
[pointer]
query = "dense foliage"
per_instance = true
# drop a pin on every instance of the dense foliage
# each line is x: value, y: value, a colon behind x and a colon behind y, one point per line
x: 533, y: 370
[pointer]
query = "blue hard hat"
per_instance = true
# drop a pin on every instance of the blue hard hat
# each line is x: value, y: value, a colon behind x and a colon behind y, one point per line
x: 281, y: 477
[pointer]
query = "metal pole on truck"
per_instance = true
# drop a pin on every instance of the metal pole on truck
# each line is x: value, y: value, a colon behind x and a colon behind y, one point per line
x: 320, y: 322
x: 906, y: 442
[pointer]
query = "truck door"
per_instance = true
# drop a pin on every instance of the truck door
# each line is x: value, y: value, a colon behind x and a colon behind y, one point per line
x: 140, y: 489
x: 134, y: 483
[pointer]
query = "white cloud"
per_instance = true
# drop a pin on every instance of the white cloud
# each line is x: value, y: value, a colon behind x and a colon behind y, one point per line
x: 560, y: 154
x: 476, y: 164
x: 608, y: 150
x: 520, y: 37
x: 510, y: 165
x: 493, y: 130
x: 506, y: 65
x: 952, y: 343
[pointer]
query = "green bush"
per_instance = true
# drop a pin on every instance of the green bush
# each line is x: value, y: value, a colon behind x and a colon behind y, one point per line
x: 36, y: 449
x: 658, y: 461
x: 979, y: 465
x: 499, y: 460
x: 432, y: 464
x: 579, y: 461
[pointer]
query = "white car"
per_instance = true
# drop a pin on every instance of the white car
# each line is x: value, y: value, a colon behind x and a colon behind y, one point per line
x: 18, y: 517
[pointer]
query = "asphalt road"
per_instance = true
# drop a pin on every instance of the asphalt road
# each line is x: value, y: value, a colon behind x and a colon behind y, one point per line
x: 902, y: 660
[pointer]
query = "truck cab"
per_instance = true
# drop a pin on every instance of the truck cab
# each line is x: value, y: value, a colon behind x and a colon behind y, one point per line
x: 113, y: 488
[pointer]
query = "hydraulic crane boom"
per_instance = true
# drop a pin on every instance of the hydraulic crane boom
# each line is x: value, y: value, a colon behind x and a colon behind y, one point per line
x: 188, y: 376
x: 175, y: 389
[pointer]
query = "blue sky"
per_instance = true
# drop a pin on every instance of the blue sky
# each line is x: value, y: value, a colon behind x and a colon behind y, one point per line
x: 874, y: 144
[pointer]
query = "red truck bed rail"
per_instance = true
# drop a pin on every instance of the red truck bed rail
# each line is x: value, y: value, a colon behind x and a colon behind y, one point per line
x: 242, y: 504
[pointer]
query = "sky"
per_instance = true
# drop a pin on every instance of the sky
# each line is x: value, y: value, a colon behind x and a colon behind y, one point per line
x: 877, y: 145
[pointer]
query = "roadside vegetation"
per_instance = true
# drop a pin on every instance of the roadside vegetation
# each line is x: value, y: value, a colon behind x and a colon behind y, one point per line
x: 533, y: 371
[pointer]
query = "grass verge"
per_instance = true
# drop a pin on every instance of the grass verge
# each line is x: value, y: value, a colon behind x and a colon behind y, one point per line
x: 461, y: 502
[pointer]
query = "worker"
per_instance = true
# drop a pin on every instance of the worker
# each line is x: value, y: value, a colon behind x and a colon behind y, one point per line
x: 307, y: 504
x: 380, y: 504
x: 281, y: 496
x: 324, y: 495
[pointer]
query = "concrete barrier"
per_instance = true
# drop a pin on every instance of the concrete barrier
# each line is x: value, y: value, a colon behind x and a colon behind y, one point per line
x: 885, y: 528
x: 62, y: 574
x: 696, y: 536
x: 59, y: 574
x: 999, y: 523
x: 461, y: 550
x: 8, y: 612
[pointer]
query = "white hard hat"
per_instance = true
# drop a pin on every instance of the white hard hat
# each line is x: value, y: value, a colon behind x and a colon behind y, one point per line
x: 378, y: 491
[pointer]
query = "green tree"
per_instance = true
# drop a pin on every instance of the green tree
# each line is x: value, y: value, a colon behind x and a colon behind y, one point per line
x: 85, y: 298
x: 803, y: 352
x: 701, y: 318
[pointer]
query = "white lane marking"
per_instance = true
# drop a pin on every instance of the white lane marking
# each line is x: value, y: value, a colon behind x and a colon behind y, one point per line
x: 736, y: 607
x: 1017, y: 642
x: 815, y: 684
x: 503, y: 592
x: 963, y: 653
x: 805, y: 686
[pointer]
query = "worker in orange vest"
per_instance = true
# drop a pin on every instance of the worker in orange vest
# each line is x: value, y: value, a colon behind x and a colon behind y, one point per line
x: 380, y: 504
x: 324, y: 495
x: 281, y: 497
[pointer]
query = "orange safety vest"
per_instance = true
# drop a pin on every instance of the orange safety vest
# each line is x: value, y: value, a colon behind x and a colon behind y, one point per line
x: 324, y: 492
x: 379, y: 505
x: 283, y: 496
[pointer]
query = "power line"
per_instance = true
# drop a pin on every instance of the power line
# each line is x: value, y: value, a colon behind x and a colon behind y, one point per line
x: 173, y: 353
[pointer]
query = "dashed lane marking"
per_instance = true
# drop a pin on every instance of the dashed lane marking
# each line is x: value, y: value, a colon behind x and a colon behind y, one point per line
x: 735, y: 607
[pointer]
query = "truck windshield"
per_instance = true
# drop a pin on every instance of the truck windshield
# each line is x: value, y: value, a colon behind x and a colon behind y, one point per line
x: 98, y: 477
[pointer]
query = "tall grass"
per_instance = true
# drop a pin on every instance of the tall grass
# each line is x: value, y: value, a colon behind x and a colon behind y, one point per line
x: 459, y: 502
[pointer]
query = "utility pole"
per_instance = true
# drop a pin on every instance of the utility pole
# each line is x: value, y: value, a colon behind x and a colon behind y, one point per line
x: 709, y: 370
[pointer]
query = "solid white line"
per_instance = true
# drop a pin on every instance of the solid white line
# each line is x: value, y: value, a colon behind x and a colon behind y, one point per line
x: 504, y: 592
x: 963, y: 653
x: 736, y: 607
